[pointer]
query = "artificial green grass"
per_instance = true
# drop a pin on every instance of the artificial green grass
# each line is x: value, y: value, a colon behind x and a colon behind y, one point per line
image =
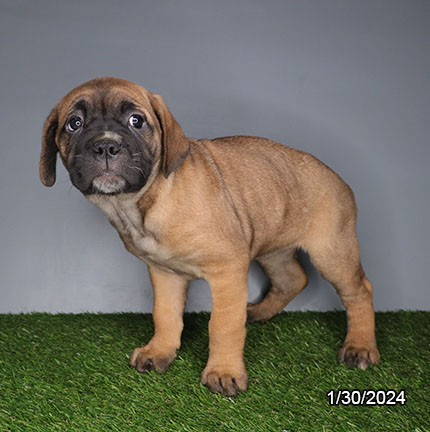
x: 70, y: 373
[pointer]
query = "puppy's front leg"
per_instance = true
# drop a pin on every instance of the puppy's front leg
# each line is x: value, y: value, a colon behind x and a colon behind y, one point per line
x: 170, y: 291
x: 225, y: 371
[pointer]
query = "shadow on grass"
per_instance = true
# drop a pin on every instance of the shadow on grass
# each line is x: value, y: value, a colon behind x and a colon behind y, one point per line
x: 195, y: 338
x: 137, y: 329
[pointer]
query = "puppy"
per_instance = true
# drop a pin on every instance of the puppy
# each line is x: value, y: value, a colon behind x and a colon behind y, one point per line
x: 194, y: 209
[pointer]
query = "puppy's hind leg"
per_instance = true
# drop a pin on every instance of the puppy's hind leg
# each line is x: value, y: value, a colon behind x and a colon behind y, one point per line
x: 288, y: 279
x: 336, y: 256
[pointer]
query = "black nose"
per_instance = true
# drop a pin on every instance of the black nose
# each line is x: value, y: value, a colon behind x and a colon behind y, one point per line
x: 105, y: 149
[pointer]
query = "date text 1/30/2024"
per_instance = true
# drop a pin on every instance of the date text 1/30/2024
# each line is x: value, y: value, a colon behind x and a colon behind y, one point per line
x: 366, y: 397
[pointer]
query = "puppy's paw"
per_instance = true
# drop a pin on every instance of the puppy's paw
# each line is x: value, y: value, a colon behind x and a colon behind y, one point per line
x: 228, y: 383
x: 360, y: 356
x: 145, y: 359
x: 257, y: 312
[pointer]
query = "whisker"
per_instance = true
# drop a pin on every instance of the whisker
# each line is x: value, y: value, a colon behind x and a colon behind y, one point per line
x: 140, y: 170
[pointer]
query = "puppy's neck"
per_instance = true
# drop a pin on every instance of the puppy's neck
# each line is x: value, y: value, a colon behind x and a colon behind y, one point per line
x: 127, y: 211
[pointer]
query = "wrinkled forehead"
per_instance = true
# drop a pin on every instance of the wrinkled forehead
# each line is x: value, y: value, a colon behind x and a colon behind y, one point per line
x: 106, y: 98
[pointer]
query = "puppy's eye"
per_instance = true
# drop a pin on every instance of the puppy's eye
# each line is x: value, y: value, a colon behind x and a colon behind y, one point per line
x: 74, y: 124
x: 136, y: 120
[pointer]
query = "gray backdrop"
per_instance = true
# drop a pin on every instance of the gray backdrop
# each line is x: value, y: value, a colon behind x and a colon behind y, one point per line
x: 345, y: 80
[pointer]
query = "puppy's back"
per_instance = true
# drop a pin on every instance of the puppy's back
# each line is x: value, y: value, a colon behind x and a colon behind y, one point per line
x: 278, y: 188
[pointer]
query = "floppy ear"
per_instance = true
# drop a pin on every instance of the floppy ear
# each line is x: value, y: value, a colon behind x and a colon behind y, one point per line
x: 175, y: 146
x: 48, y: 156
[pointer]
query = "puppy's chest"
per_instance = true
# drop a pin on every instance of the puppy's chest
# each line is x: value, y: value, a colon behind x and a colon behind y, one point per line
x: 144, y: 238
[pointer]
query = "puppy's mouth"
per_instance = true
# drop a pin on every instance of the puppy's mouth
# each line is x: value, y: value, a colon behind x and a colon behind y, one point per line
x: 108, y: 183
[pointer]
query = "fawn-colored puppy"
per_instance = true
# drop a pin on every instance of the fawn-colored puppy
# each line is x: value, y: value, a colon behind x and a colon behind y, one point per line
x: 204, y: 209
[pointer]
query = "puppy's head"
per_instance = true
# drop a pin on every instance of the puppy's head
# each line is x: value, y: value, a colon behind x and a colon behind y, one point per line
x: 111, y: 135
